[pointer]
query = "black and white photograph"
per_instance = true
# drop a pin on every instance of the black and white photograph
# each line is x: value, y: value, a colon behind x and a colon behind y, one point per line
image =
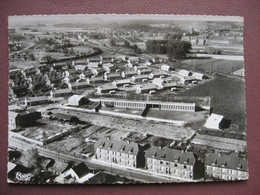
x: 126, y: 99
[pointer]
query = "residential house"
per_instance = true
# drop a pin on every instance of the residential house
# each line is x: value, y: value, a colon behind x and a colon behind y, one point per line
x: 22, y: 119
x: 199, y: 76
x: 185, y: 73
x: 172, y: 162
x: 166, y: 67
x: 146, y: 88
x: 109, y: 88
x: 77, y: 174
x: 226, y: 167
x: 125, y: 153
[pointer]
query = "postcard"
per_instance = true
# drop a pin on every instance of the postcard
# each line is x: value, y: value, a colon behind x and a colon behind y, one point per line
x: 109, y: 99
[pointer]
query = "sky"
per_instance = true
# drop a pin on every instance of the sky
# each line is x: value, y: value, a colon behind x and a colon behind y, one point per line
x: 99, y: 18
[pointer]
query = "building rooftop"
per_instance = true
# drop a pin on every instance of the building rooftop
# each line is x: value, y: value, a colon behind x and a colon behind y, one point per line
x: 81, y: 169
x: 118, y: 146
x: 172, y: 155
x: 226, y: 161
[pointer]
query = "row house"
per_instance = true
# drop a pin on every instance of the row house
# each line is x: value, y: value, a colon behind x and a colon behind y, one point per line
x: 124, y: 153
x: 171, y: 162
x: 226, y: 167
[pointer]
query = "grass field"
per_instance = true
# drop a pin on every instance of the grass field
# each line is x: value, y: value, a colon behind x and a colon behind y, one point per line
x: 213, y: 65
x: 228, y: 97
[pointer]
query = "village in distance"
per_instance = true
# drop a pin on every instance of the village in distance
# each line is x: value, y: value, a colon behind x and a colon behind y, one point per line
x: 113, y: 99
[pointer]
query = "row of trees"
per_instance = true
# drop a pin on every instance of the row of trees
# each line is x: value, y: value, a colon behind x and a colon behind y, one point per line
x: 175, y: 48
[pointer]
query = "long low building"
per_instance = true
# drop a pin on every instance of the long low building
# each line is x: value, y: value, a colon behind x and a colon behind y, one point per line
x: 177, y: 106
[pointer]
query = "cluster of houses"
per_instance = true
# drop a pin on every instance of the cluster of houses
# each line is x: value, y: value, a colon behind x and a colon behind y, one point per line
x: 108, y: 75
x: 169, y: 162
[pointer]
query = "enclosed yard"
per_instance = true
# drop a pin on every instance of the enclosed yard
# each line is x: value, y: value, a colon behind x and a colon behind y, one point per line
x: 177, y: 115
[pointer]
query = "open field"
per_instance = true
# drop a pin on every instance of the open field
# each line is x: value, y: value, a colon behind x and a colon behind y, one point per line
x: 214, y: 65
x: 228, y: 98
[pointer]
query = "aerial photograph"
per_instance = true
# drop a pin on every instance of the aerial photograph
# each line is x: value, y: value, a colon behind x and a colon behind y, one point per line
x: 126, y: 99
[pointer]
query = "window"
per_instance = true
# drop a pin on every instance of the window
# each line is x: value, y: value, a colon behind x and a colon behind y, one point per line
x: 161, y: 162
x: 175, y: 165
x: 185, y: 167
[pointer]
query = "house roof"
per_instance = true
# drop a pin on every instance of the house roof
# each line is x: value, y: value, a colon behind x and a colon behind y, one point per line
x: 130, y: 72
x: 123, y: 81
x: 148, y: 86
x: 141, y: 77
x: 59, y: 166
x: 76, y: 98
x: 158, y: 73
x: 81, y: 169
x: 109, y: 86
x: 30, y: 111
x: 226, y: 161
x: 113, y: 75
x: 97, y: 79
x: 147, y: 70
x: 13, y: 107
x: 37, y: 99
x: 184, y: 72
x: 61, y: 91
x: 84, y: 83
x: 173, y: 84
x: 172, y: 155
x: 196, y: 74
x: 10, y: 166
x: 118, y: 146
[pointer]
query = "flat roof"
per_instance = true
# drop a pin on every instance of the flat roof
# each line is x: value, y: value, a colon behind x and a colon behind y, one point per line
x: 138, y: 101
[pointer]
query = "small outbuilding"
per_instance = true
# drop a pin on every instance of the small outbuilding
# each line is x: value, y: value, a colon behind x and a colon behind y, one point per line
x: 214, y: 121
x: 77, y: 100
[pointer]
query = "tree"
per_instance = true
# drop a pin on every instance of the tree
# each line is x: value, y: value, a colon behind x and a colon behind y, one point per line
x: 44, y: 135
x: 157, y: 46
x: 174, y: 36
x: 178, y: 49
x: 113, y: 42
x: 47, y: 59
x: 127, y: 44
x: 32, y: 158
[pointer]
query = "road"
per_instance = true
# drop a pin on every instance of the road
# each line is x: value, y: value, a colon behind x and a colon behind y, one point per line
x: 28, y: 47
x: 136, y: 174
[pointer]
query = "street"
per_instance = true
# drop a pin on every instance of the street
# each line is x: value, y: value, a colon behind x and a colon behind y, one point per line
x: 136, y: 174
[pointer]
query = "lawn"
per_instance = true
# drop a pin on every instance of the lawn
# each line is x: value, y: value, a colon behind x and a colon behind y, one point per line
x: 213, y: 65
